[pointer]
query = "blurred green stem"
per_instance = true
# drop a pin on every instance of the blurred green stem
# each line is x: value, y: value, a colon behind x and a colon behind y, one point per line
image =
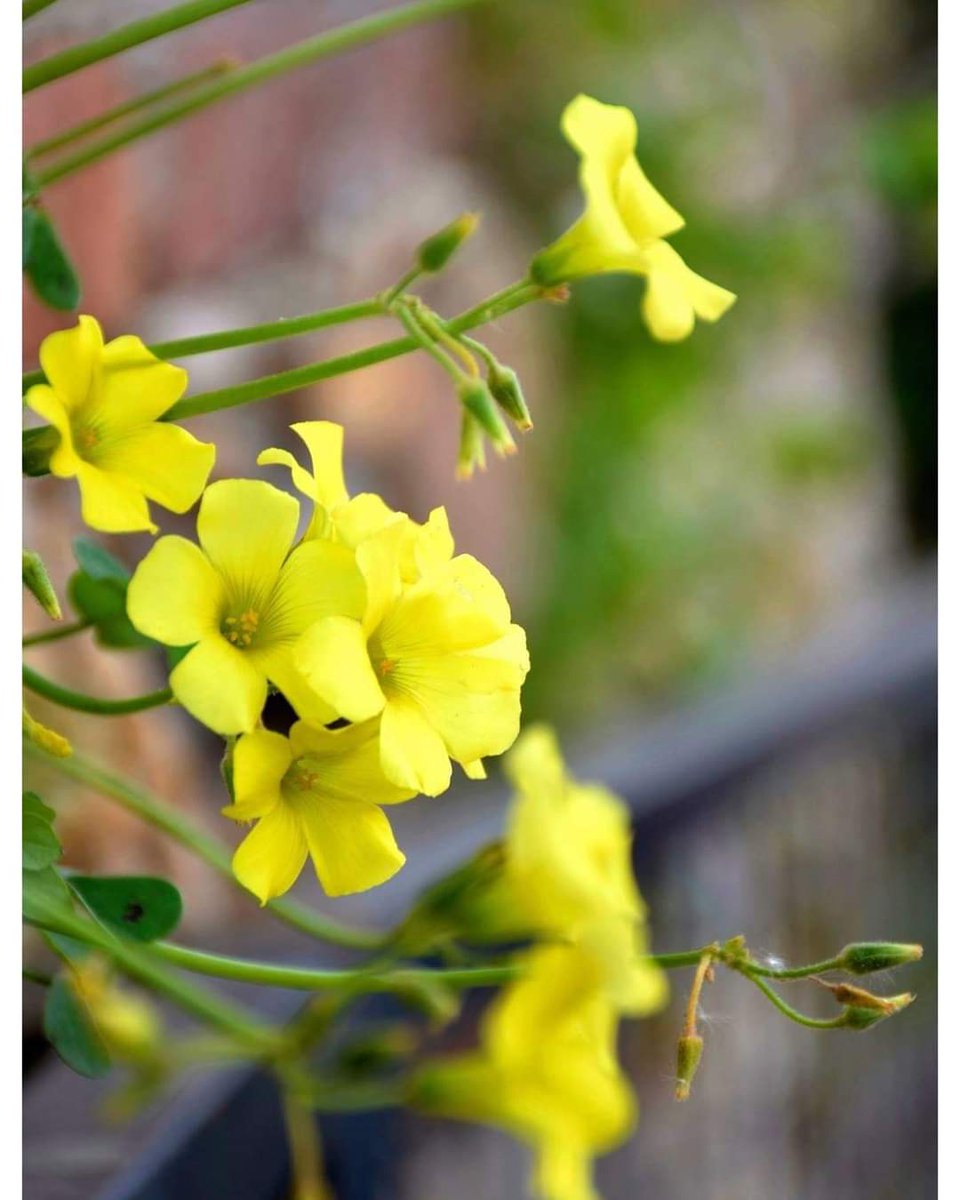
x: 357, y: 33
x: 147, y: 100
x: 306, y: 1164
x: 81, y: 702
x: 161, y: 816
x: 124, y: 38
x: 32, y: 7
x: 54, y: 635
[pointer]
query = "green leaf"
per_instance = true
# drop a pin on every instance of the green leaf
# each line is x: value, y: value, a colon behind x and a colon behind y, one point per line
x: 41, y: 846
x: 98, y: 592
x: 30, y: 219
x: 71, y: 1032
x: 97, y: 562
x: 135, y: 906
x: 44, y: 894
x: 49, y: 269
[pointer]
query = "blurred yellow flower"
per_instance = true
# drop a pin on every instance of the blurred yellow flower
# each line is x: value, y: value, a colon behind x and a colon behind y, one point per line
x: 316, y: 792
x: 546, y: 1071
x: 438, y: 659
x: 623, y: 226
x: 568, y: 870
x: 129, y: 1026
x: 339, y: 518
x: 240, y: 600
x: 105, y: 402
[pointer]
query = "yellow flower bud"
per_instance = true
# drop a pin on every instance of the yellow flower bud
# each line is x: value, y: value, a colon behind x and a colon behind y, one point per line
x: 436, y: 251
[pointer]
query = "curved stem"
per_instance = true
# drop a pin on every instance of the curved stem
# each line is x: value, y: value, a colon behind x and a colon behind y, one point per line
x: 356, y: 33
x: 92, y: 704
x: 160, y: 815
x: 84, y: 128
x: 303, y: 1137
x: 268, y: 386
x: 41, y: 978
x: 54, y: 635
x: 797, y: 1017
x: 124, y: 38
x: 751, y: 967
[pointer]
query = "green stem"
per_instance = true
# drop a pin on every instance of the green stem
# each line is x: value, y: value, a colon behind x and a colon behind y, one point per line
x: 303, y: 1137
x: 39, y: 977
x: 426, y: 342
x: 357, y: 33
x: 124, y: 38
x: 751, y: 967
x: 683, y: 958
x: 401, y: 286
x: 92, y: 704
x: 155, y: 812
x: 797, y: 1017
x: 249, y: 335
x: 32, y: 7
x: 268, y: 386
x: 138, y: 963
x: 55, y: 635
x: 147, y: 100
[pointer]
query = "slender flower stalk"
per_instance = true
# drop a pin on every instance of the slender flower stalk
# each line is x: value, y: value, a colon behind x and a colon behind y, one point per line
x: 80, y: 701
x: 323, y: 45
x: 791, y: 1013
x: 155, y: 812
x: 124, y: 38
x: 55, y: 635
x: 32, y: 7
x: 84, y: 128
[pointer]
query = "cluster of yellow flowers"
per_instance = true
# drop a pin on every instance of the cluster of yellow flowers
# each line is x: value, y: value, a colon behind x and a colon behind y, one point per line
x: 547, y: 1068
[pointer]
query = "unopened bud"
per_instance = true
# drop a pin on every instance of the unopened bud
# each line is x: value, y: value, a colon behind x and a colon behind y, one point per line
x: 689, y: 1053
x: 863, y: 958
x: 863, y: 1017
x: 505, y: 387
x: 472, y: 453
x: 478, y: 400
x: 47, y: 739
x: 36, y: 580
x: 436, y: 251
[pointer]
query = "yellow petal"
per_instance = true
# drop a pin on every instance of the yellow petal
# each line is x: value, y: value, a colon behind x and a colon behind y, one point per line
x: 676, y: 295
x: 347, y: 762
x: 134, y: 387
x: 378, y: 558
x: 46, y: 403
x: 474, y: 769
x: 411, y: 751
x: 71, y: 361
x: 350, y: 841
x: 217, y: 684
x: 332, y: 657
x: 302, y: 479
x: 271, y: 856
x: 260, y: 761
x: 175, y: 595
x: 319, y: 579
x: 246, y: 527
x: 165, y: 462
x: 112, y: 503
x: 324, y: 440
x: 361, y: 517
x: 278, y: 666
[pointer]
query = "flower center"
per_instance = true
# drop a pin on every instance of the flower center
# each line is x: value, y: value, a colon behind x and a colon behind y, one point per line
x: 302, y: 776
x: 240, y: 629
x: 86, y: 437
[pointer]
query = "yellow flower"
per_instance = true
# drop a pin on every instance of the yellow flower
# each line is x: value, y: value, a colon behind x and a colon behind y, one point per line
x: 339, y: 518
x: 438, y: 659
x: 129, y: 1026
x: 546, y: 1071
x: 105, y: 402
x: 240, y: 600
x: 316, y: 792
x: 568, y: 870
x: 623, y: 226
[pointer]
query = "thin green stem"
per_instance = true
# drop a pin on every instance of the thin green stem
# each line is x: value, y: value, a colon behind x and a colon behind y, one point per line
x: 32, y: 7
x: 249, y: 335
x: 303, y: 1137
x: 149, y: 808
x: 92, y: 704
x: 788, y: 1011
x: 124, y: 38
x: 357, y: 33
x: 427, y: 343
x: 55, y: 635
x: 751, y: 967
x: 683, y: 958
x: 401, y: 285
x: 138, y: 962
x: 293, y: 380
x: 84, y: 128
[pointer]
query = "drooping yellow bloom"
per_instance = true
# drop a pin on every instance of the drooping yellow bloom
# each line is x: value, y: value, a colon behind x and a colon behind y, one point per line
x: 623, y: 226
x: 129, y: 1026
x: 438, y: 659
x: 546, y: 1072
x: 568, y: 870
x: 316, y: 792
x: 340, y: 518
x: 240, y: 600
x: 105, y: 402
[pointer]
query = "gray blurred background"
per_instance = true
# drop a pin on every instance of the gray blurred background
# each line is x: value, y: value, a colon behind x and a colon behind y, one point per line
x: 722, y: 550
